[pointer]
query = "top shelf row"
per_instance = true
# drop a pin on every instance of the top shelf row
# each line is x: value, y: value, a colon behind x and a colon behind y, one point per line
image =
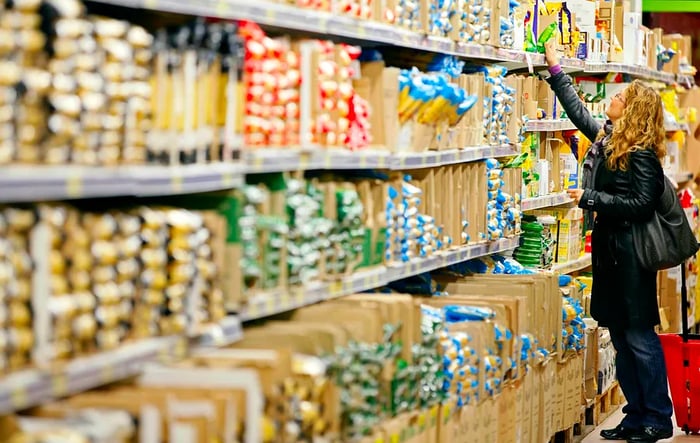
x: 371, y: 32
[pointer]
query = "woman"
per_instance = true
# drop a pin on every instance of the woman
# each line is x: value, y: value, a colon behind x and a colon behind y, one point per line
x: 622, y: 183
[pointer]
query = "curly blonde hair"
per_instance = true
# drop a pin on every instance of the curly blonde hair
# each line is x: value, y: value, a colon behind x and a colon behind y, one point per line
x: 640, y: 127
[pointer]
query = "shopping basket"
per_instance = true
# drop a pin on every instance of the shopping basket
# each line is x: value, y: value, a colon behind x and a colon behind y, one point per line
x: 682, y: 354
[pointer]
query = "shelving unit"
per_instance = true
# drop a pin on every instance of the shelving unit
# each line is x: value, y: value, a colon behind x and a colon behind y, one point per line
x: 530, y: 204
x: 267, y: 304
x: 29, y: 388
x: 573, y: 266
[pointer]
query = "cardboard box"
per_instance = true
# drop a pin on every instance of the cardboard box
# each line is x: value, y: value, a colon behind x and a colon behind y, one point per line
x: 681, y: 44
x: 507, y: 414
x: 546, y: 399
x: 590, y: 372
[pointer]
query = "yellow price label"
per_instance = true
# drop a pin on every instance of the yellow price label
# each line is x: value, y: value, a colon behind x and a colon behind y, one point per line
x: 59, y: 385
x: 150, y: 4
x: 270, y: 14
x: 254, y: 311
x: 227, y: 180
x: 286, y: 301
x: 381, y: 162
x: 269, y: 305
x: 336, y: 288
x: 176, y: 182
x: 19, y: 398
x: 402, y: 162
x: 362, y: 32
x: 74, y: 186
x: 363, y: 161
x: 323, y: 23
x: 107, y: 374
x: 327, y: 161
x: 180, y: 348
x: 304, y: 159
x: 298, y: 296
x: 424, y: 160
x: 256, y: 162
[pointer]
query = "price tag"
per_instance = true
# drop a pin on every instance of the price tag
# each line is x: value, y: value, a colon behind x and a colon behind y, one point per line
x: 227, y: 180
x: 285, y: 301
x: 180, y: 348
x: 107, y: 374
x: 362, y: 32
x: 304, y: 160
x: 298, y: 296
x: 270, y: 305
x: 381, y: 162
x: 258, y: 162
x: 19, y: 398
x: 336, y: 289
x: 176, y: 182
x: 74, y: 186
x: 59, y: 385
x: 150, y: 4
x: 402, y: 162
x: 363, y: 161
x: 327, y: 161
x: 254, y: 311
x: 270, y: 14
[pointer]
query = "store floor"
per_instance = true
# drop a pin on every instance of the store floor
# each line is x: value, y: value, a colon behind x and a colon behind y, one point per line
x: 614, y: 419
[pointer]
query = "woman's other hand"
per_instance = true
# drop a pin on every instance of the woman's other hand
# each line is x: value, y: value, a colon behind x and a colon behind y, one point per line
x: 550, y: 53
x: 575, y: 194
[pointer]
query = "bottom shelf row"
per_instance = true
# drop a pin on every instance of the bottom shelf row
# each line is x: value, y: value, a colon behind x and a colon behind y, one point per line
x: 470, y: 363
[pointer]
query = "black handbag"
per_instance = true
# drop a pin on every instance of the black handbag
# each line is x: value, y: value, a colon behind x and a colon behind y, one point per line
x: 666, y: 240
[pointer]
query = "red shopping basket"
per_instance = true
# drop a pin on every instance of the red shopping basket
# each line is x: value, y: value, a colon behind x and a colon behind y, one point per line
x: 682, y: 355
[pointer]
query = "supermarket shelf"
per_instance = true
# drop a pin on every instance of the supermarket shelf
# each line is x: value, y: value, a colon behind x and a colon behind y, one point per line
x: 29, y: 388
x: 685, y: 80
x: 547, y: 201
x: 637, y: 71
x: 549, y: 125
x: 451, y: 257
x: 575, y: 265
x: 279, y: 160
x: 567, y: 125
x: 275, y: 302
x: 36, y: 183
x: 432, y: 159
x: 227, y: 331
x: 299, y: 19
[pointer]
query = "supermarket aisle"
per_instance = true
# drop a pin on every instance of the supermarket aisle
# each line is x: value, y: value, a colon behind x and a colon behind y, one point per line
x: 614, y: 419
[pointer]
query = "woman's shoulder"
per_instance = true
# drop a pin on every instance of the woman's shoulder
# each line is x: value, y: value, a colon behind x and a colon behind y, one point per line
x: 645, y: 153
